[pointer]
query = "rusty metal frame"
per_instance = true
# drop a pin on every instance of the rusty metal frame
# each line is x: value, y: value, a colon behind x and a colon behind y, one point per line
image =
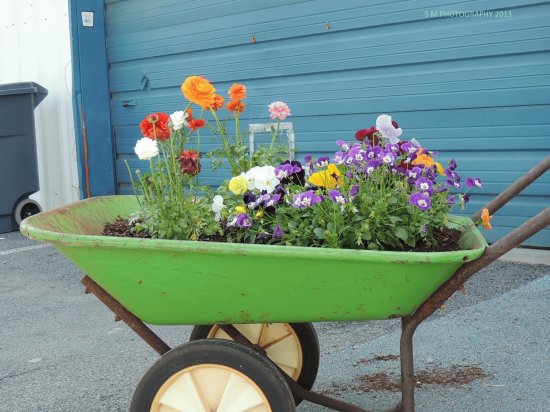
x: 408, y: 323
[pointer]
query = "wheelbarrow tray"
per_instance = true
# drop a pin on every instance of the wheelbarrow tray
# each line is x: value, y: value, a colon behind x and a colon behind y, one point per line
x: 169, y: 282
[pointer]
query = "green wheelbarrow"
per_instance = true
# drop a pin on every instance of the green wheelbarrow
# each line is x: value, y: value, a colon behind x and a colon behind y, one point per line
x: 253, y: 347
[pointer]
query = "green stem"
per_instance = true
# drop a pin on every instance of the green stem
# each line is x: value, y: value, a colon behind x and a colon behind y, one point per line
x: 237, y: 129
x: 275, y: 135
x: 234, y: 166
x: 132, y: 181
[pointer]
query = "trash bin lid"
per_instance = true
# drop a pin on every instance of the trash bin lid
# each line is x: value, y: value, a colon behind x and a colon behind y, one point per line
x: 24, y: 88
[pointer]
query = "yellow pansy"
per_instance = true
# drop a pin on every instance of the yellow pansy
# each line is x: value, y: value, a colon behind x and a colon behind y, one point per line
x: 326, y: 178
x: 240, y: 210
x: 424, y: 159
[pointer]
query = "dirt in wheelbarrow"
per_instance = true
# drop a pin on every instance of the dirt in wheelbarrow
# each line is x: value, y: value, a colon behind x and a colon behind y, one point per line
x: 446, y: 239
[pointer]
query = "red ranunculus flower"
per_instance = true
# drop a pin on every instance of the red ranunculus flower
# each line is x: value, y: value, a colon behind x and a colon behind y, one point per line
x: 190, y: 163
x: 197, y: 124
x: 155, y: 126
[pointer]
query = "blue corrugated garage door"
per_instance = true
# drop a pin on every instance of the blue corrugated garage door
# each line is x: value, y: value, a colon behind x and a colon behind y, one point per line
x: 475, y: 88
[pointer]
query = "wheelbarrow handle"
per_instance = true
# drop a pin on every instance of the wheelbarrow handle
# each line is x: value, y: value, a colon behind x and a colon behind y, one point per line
x: 492, y: 253
x: 515, y: 188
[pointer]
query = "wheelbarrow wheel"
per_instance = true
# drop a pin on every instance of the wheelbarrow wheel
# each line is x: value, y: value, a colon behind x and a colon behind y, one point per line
x: 212, y: 375
x: 294, y: 347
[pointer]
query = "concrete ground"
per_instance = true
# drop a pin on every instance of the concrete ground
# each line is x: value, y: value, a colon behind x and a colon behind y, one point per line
x: 61, y: 351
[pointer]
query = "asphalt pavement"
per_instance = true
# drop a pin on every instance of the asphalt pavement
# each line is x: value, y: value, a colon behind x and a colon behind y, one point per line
x: 60, y: 350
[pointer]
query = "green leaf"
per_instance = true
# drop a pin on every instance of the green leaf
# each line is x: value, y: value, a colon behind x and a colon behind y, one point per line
x: 401, y: 233
x: 395, y: 219
x: 367, y: 235
x: 373, y: 246
x: 319, y: 232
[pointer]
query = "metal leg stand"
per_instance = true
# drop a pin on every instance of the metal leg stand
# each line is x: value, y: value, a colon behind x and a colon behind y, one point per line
x: 122, y: 314
x: 407, y: 368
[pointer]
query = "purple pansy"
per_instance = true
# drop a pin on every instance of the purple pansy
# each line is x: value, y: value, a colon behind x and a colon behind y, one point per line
x: 353, y: 191
x: 337, y: 197
x: 420, y: 200
x: 322, y: 161
x: 371, y: 166
x: 388, y: 157
x: 338, y: 158
x: 243, y: 220
x: 392, y: 147
x: 474, y: 182
x: 451, y: 174
x: 451, y: 200
x: 452, y: 165
x: 306, y: 199
x: 465, y: 198
x: 343, y: 145
x: 278, y: 232
x: 414, y: 173
x: 290, y: 171
x: 409, y: 148
x: 424, y: 185
x: 454, y: 182
x: 373, y: 152
x: 283, y: 171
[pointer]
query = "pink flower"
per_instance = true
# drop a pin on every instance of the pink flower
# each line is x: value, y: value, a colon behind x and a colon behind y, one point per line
x: 279, y: 110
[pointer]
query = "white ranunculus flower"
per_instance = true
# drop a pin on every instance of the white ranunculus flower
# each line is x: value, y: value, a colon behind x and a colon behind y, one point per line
x: 388, y: 130
x: 217, y: 206
x: 262, y: 178
x: 146, y: 148
x: 179, y: 119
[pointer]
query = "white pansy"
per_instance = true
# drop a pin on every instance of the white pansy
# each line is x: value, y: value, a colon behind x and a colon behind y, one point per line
x: 146, y: 148
x: 217, y: 206
x: 262, y: 178
x: 179, y: 119
x: 388, y: 130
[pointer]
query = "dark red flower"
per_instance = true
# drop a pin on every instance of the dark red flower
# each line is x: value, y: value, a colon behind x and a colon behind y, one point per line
x: 367, y: 133
x: 197, y: 124
x: 190, y: 163
x: 155, y: 126
x: 394, y: 123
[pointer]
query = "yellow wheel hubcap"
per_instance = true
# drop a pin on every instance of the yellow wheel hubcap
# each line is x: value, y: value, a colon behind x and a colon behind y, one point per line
x: 278, y: 340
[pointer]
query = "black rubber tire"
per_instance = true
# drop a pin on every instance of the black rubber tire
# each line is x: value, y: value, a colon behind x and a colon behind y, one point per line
x: 220, y: 352
x: 25, y: 207
x: 310, y: 350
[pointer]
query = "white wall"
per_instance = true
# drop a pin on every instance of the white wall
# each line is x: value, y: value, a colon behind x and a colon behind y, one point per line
x: 35, y: 46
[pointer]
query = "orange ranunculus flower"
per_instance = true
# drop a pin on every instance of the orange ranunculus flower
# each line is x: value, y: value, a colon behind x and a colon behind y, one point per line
x: 486, y: 219
x: 326, y: 178
x: 218, y: 102
x: 423, y: 159
x: 236, y: 105
x: 199, y: 90
x: 237, y: 92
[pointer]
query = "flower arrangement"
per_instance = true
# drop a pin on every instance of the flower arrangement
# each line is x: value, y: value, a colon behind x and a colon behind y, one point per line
x: 378, y: 192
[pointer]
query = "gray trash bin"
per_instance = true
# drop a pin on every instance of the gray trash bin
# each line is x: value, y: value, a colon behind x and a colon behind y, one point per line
x: 18, y: 162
